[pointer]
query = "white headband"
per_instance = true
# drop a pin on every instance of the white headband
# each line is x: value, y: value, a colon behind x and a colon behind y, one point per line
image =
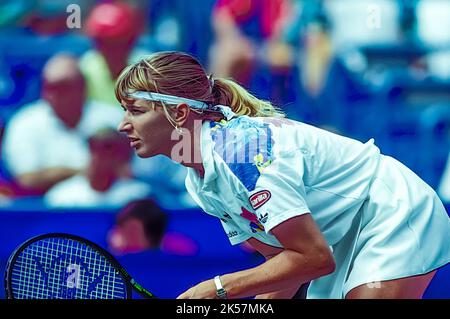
x: 170, y: 99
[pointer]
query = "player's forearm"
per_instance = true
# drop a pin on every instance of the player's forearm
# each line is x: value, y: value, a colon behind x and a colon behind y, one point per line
x: 277, y: 274
x: 287, y: 293
x: 280, y: 294
x: 44, y: 179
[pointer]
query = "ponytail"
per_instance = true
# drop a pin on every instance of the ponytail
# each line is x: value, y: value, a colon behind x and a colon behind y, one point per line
x: 229, y: 93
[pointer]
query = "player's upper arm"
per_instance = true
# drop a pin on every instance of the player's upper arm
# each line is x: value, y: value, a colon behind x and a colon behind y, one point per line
x: 301, y: 234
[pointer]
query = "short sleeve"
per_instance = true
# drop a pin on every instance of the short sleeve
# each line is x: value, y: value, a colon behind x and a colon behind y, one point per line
x: 279, y: 193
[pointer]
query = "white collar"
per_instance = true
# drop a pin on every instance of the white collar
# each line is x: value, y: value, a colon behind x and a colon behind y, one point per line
x: 207, y: 154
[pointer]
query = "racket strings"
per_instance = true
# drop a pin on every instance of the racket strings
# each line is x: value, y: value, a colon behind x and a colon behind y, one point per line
x: 61, y: 268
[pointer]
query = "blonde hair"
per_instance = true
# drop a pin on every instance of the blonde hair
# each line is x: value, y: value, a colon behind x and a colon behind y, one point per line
x: 179, y: 74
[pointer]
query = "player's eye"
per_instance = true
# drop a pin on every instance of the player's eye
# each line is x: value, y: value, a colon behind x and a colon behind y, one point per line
x: 136, y: 111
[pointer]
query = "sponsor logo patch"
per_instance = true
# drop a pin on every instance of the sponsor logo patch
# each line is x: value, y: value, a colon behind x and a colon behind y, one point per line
x: 260, y: 198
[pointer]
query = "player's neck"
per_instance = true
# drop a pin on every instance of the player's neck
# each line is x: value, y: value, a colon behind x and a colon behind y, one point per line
x: 187, y: 149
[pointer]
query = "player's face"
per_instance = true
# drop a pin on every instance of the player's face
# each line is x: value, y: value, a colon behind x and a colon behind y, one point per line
x: 147, y: 128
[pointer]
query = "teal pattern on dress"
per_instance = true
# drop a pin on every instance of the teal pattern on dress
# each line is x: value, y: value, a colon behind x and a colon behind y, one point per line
x: 245, y: 145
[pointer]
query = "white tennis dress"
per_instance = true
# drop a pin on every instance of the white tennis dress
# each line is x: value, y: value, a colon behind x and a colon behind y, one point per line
x: 381, y: 220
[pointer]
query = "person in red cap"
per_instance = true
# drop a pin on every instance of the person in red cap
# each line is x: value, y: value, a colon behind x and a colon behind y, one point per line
x: 114, y: 29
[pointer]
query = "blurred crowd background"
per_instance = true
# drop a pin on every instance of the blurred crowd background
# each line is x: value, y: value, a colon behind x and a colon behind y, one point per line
x: 361, y: 68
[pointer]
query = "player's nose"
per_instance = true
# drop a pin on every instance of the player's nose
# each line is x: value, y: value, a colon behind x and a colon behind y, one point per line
x: 124, y: 126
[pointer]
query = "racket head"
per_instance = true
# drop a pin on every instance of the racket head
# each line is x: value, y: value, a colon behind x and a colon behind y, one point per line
x: 64, y: 266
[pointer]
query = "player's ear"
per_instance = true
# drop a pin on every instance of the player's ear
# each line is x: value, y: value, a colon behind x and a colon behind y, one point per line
x: 181, y: 113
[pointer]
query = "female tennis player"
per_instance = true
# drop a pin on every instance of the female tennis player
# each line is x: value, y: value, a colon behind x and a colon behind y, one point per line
x: 322, y: 208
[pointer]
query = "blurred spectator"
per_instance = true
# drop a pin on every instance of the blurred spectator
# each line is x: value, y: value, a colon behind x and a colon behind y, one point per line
x: 317, y: 55
x: 32, y: 31
x: 114, y: 28
x: 178, y: 25
x: 40, y: 16
x: 142, y: 225
x: 438, y: 63
x: 48, y: 17
x: 433, y: 19
x: 12, y: 11
x: 363, y: 22
x: 46, y: 142
x: 241, y: 27
x: 303, y: 42
x: 105, y: 181
x: 164, y: 19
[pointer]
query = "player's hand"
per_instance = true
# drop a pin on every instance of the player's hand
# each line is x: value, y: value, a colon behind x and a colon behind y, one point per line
x: 204, y: 290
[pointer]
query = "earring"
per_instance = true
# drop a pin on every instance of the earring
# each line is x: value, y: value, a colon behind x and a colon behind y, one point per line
x: 178, y: 129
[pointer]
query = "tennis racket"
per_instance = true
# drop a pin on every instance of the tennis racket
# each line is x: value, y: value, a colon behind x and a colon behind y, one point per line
x: 63, y: 266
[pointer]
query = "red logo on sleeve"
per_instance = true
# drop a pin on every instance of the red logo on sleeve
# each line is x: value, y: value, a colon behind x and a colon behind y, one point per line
x: 260, y: 198
x: 255, y: 225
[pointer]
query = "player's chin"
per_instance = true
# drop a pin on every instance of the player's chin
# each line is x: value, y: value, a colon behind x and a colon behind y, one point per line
x: 144, y: 152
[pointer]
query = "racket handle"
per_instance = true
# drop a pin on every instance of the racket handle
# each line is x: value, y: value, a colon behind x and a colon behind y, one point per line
x: 142, y: 291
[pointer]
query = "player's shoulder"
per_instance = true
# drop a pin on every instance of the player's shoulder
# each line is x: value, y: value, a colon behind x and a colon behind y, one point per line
x: 238, y: 141
x: 238, y: 124
x: 245, y: 146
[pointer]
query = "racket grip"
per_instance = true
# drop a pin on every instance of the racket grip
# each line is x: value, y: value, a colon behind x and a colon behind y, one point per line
x: 142, y: 291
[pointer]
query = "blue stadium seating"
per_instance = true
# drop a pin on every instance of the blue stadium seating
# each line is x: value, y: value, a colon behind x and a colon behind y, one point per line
x: 167, y: 275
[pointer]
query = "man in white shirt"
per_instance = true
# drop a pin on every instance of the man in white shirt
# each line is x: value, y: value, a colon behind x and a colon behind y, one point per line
x: 106, y: 181
x: 46, y: 142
